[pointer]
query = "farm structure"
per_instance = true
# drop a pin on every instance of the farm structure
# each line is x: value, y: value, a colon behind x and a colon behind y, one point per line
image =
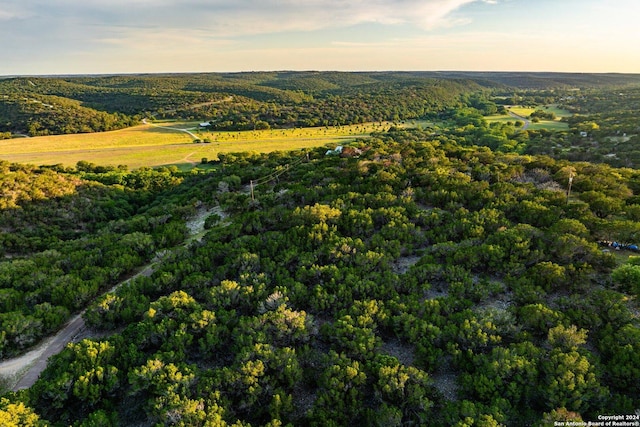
x: 619, y: 246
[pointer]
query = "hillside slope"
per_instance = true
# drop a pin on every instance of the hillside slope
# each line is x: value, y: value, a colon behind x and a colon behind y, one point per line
x: 422, y: 282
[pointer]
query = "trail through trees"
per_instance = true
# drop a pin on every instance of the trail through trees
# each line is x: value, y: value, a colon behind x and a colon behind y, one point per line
x: 22, y: 372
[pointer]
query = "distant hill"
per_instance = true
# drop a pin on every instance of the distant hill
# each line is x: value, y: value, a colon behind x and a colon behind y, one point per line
x: 233, y: 101
x: 541, y: 80
x: 251, y: 100
x: 36, y: 115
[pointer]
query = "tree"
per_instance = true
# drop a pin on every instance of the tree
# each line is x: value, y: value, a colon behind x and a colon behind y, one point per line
x: 18, y: 415
x: 509, y: 373
x: 539, y: 318
x: 627, y: 277
x: 621, y: 349
x: 570, y: 381
x: 567, y: 338
x: 341, y: 393
x: 559, y: 415
x: 162, y: 384
x: 548, y: 275
x: 600, y: 204
x: 406, y: 388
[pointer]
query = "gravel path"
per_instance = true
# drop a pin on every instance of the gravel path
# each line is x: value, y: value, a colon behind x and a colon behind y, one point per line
x: 526, y: 121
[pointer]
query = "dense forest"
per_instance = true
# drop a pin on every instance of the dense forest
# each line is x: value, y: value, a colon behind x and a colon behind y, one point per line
x: 459, y: 274
x: 65, y: 237
x: 37, y: 115
x: 241, y: 101
x: 259, y: 100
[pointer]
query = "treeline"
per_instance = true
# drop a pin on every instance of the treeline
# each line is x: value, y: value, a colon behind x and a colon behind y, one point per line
x: 38, y: 115
x: 537, y: 81
x: 374, y: 103
x: 427, y: 282
x: 247, y: 101
x: 40, y: 106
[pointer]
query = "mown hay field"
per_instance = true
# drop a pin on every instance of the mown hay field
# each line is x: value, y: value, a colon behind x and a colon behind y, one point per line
x: 555, y: 125
x: 163, y: 143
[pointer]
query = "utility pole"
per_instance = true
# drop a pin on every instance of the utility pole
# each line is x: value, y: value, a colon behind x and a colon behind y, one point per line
x: 569, y: 186
x: 251, y: 185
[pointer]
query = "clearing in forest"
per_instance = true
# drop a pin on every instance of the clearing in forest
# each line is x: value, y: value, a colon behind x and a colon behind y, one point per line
x: 167, y: 143
x: 526, y: 112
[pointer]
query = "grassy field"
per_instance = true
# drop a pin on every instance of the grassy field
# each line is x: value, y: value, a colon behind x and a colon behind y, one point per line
x: 526, y: 111
x: 158, y: 144
x: 521, y: 111
x: 549, y: 125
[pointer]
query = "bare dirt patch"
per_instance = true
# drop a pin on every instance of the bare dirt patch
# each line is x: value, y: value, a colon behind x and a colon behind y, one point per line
x: 403, y: 264
x: 401, y: 351
x: 196, y: 224
x: 303, y: 400
x: 445, y: 380
x: 437, y: 290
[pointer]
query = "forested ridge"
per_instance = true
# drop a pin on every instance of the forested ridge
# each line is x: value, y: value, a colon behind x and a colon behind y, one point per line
x: 37, y: 115
x: 241, y: 101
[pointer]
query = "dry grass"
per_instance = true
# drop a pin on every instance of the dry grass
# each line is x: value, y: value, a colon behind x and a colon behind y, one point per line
x: 148, y: 145
x: 526, y: 111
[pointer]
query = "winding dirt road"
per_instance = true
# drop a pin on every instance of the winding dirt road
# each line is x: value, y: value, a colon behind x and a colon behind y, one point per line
x: 191, y: 134
x: 36, y: 360
x: 22, y: 372
x: 526, y: 121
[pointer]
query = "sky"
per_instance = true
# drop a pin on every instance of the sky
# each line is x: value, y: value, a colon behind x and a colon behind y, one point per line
x: 43, y: 37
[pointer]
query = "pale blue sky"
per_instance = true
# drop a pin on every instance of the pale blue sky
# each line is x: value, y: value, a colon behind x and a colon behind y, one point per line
x: 136, y: 36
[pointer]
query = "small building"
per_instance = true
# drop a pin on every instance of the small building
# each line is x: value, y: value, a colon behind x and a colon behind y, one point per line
x: 350, y: 152
x: 337, y: 151
x: 205, y: 124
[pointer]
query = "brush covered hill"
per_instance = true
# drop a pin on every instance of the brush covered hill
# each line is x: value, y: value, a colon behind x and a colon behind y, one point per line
x: 230, y: 101
x: 67, y: 235
x: 547, y: 80
x: 256, y: 100
x: 423, y: 282
x: 239, y: 101
x: 38, y: 115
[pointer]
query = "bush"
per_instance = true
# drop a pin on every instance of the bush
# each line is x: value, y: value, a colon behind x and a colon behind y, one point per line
x: 627, y: 276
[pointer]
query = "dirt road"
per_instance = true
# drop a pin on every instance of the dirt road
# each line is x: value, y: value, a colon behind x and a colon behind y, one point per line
x: 191, y: 134
x: 526, y: 121
x: 52, y: 346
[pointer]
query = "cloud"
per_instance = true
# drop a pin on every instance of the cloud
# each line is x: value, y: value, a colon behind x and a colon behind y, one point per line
x: 5, y: 15
x: 61, y: 29
x: 12, y: 10
x: 244, y: 17
x: 277, y: 16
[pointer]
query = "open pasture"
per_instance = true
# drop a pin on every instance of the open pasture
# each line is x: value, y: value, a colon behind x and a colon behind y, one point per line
x: 164, y: 143
x: 555, y: 125
x: 525, y: 112
x: 551, y: 108
x: 559, y: 112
